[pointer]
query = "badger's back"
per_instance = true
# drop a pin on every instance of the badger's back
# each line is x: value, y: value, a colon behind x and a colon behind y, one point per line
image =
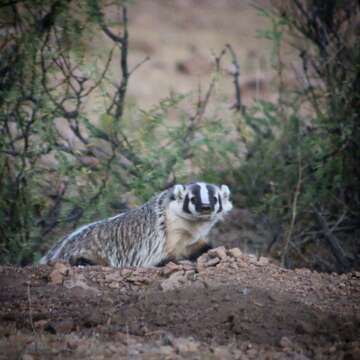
x: 134, y: 238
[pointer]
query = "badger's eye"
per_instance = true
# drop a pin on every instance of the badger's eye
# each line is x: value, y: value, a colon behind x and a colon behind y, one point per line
x: 215, y: 199
x: 193, y: 200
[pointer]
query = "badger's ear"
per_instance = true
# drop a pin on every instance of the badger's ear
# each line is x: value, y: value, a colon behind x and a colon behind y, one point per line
x: 179, y: 192
x: 225, y: 192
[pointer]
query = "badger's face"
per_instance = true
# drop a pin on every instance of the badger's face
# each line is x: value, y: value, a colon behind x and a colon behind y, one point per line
x: 201, y: 201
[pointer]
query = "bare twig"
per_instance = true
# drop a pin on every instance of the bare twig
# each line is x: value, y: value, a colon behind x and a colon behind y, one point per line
x: 333, y: 242
x: 203, y: 103
x: 236, y: 79
x: 147, y: 58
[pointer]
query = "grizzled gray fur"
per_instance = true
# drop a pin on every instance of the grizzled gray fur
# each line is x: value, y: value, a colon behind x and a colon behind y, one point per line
x: 172, y: 225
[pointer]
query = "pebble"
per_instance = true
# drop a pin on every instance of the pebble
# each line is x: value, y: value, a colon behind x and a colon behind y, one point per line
x: 212, y: 262
x: 170, y: 268
x: 114, y: 285
x: 219, y: 252
x: 183, y: 345
x: 175, y: 281
x: 235, y: 253
x: 285, y: 342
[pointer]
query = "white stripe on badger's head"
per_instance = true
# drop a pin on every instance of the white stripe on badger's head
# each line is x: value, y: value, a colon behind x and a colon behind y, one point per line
x: 201, y: 201
x: 204, y: 193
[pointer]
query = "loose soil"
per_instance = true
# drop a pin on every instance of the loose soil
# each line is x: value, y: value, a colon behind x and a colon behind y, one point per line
x: 225, y: 306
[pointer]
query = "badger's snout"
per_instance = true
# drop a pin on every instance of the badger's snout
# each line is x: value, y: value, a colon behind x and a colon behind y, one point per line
x: 206, y: 208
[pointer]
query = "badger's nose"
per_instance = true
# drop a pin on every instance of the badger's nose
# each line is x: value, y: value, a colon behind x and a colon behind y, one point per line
x: 206, y: 208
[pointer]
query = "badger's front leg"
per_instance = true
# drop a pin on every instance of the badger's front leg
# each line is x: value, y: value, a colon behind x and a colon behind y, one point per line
x: 193, y: 251
x: 189, y: 252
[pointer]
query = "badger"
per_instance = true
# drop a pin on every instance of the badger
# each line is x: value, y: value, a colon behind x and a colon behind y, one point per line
x: 171, y: 226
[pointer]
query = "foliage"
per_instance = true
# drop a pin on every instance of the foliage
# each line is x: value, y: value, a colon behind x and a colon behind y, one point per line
x: 302, y: 164
x: 63, y: 162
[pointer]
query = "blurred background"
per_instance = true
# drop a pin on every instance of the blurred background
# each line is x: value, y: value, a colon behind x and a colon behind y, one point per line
x: 182, y: 39
x: 104, y: 104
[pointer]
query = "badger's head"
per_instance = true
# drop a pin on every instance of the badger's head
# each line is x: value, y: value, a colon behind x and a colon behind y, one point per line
x: 200, y: 201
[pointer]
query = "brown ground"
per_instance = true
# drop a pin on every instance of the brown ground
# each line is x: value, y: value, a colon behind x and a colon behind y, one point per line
x: 226, y: 306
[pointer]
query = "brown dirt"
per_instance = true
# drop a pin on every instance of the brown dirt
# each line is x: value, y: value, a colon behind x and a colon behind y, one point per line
x: 226, y: 306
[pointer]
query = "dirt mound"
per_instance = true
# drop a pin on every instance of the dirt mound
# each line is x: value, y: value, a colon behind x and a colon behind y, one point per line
x: 225, y: 306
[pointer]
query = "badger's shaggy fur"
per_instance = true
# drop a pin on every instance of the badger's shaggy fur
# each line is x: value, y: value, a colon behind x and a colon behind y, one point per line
x: 173, y: 225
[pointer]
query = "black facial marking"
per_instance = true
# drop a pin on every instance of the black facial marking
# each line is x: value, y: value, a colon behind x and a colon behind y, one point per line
x: 186, y: 204
x: 195, y: 190
x: 212, y: 198
x: 220, y: 205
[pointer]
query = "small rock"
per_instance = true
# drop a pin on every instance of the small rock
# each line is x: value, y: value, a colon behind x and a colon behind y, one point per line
x: 105, y: 268
x: 263, y: 261
x: 187, y: 265
x: 201, y: 261
x: 285, y: 342
x: 56, y: 277
x: 175, y: 281
x: 185, y: 345
x: 219, y: 252
x: 170, y: 268
x: 212, y: 262
x: 79, y: 281
x: 235, y: 253
x: 114, y: 285
x: 72, y: 343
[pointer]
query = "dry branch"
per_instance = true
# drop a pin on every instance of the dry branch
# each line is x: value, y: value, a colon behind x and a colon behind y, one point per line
x: 236, y: 79
x: 333, y: 242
